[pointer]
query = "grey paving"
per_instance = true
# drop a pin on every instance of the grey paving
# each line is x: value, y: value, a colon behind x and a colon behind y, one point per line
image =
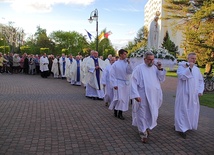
x: 50, y: 116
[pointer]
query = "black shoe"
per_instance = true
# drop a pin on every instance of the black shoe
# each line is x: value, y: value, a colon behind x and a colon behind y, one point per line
x: 121, y: 117
x: 94, y: 98
x: 183, y: 134
x: 115, y: 113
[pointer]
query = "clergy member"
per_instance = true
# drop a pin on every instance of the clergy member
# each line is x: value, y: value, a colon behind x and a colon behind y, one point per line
x: 120, y: 74
x: 76, y: 74
x: 68, y: 66
x: 190, y: 87
x: 55, y: 67
x: 147, y: 94
x: 95, y: 67
x: 106, y: 82
x: 44, y: 66
x: 62, y: 61
x: 84, y: 68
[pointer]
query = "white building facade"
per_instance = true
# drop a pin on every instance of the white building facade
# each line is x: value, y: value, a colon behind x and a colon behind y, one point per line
x: 150, y: 9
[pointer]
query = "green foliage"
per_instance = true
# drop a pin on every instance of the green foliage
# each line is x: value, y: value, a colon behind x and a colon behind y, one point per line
x: 44, y: 50
x: 26, y: 49
x: 65, y: 51
x: 196, y: 21
x: 73, y: 41
x: 4, y: 49
x: 169, y: 45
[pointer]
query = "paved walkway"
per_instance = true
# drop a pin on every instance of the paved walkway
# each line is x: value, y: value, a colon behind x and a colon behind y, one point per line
x: 50, y: 116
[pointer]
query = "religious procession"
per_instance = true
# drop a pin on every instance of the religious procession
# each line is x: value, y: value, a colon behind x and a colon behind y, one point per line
x: 118, y: 83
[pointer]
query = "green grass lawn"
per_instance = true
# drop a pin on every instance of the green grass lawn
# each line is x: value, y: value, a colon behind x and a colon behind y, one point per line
x: 173, y: 73
x: 207, y: 99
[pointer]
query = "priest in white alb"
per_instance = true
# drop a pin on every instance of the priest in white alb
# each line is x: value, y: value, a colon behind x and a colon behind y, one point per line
x: 56, y: 67
x: 84, y: 68
x: 147, y: 94
x: 68, y: 65
x: 62, y: 61
x: 95, y: 67
x: 75, y: 71
x: 190, y: 87
x: 108, y: 89
x: 120, y: 74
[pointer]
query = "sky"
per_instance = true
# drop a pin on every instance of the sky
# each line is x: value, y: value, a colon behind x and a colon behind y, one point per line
x: 122, y: 17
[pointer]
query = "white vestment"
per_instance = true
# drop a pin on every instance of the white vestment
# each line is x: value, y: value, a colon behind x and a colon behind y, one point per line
x: 145, y: 83
x: 153, y: 37
x: 73, y: 71
x: 93, y: 89
x: 106, y: 81
x: 107, y: 62
x: 62, y: 62
x: 44, y: 64
x: 84, y: 70
x: 55, y: 68
x: 68, y: 66
x: 187, y: 107
x: 120, y: 76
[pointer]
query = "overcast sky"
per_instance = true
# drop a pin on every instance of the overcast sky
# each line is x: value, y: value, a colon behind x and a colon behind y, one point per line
x: 122, y: 17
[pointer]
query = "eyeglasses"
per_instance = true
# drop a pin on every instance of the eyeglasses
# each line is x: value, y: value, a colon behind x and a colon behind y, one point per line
x: 149, y: 59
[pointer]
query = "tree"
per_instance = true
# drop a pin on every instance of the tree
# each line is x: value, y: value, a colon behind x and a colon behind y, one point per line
x: 169, y: 45
x: 43, y: 41
x: 196, y: 22
x: 139, y: 41
x: 73, y: 41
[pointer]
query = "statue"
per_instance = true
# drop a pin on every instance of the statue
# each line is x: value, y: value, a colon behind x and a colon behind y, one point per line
x: 153, y: 37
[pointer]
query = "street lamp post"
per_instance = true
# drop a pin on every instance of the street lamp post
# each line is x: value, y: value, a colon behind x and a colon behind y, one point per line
x: 94, y: 17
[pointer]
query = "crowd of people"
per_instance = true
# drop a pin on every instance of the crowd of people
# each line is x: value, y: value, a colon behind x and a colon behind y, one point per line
x: 14, y: 63
x: 115, y: 81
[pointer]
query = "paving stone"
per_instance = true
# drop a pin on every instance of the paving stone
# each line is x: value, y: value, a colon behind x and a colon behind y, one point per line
x: 50, y: 116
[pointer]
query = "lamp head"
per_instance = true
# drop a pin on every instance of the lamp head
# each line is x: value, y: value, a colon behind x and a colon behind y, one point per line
x: 95, y: 17
x: 90, y: 19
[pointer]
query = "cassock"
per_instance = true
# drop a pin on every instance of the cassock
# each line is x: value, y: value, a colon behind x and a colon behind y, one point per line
x: 106, y: 81
x: 145, y: 83
x: 76, y: 73
x: 94, y: 87
x: 62, y: 61
x: 120, y: 76
x: 187, y: 107
x: 44, y: 66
